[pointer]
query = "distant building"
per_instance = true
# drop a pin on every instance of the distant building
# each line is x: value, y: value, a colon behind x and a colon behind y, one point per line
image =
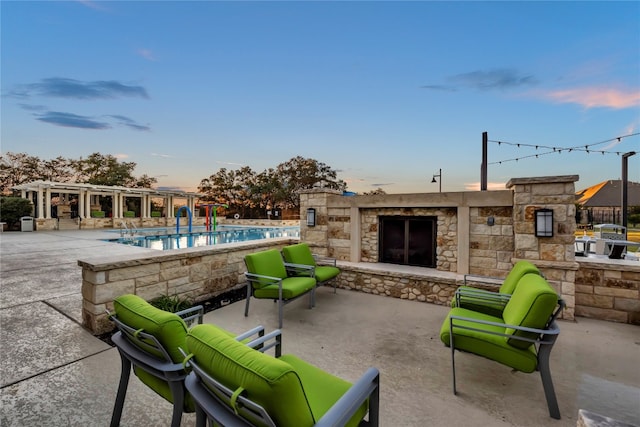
x: 602, y: 203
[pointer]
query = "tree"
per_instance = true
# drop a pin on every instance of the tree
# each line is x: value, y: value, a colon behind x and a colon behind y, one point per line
x: 299, y: 174
x: 230, y: 187
x: 14, y: 208
x: 375, y: 192
x: 16, y: 169
x: 100, y: 169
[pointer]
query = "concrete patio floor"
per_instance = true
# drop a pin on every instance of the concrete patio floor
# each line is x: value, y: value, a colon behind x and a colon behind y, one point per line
x: 54, y: 372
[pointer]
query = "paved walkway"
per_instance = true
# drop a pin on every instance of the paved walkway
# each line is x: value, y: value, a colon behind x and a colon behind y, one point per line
x: 55, y: 373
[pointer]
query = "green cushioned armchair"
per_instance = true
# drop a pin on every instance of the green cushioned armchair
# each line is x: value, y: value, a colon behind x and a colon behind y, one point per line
x: 148, y: 340
x: 300, y: 254
x: 233, y: 384
x: 267, y: 277
x: 522, y: 338
x: 489, y: 302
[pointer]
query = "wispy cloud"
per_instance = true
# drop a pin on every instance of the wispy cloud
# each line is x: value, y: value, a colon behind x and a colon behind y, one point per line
x: 166, y: 156
x: 71, y: 120
x: 58, y: 87
x: 146, y: 54
x: 594, y: 96
x: 92, y: 4
x: 475, y: 186
x: 229, y: 163
x: 130, y: 123
x: 382, y: 184
x: 121, y: 156
x: 496, y: 79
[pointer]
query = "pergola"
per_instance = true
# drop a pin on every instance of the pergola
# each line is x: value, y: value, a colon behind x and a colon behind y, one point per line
x: 89, y: 194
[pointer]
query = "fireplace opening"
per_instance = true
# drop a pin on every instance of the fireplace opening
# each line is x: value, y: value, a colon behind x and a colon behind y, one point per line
x: 408, y: 240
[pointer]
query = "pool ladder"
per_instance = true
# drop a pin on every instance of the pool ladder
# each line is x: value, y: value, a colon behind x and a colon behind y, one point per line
x: 131, y: 230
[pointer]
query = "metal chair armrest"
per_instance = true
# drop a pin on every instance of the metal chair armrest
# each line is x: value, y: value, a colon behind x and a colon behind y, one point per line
x: 190, y: 314
x: 299, y: 269
x: 486, y: 280
x: 324, y: 260
x: 268, y: 341
x: 258, y: 330
x: 259, y: 278
x: 552, y: 330
x: 138, y: 356
x: 342, y: 411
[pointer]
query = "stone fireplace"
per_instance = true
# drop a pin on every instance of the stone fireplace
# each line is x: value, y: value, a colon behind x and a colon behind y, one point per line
x: 408, y: 240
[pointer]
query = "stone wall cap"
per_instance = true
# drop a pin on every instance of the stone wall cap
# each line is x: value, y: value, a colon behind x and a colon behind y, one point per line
x: 542, y: 180
x: 320, y: 190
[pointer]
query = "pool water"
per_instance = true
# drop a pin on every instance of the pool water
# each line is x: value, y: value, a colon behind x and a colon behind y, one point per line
x: 168, y: 241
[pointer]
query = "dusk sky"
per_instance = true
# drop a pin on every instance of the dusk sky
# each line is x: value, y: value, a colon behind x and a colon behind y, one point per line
x: 385, y: 93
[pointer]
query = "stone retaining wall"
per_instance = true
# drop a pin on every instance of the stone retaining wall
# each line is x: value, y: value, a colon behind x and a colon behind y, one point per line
x: 198, y: 273
x: 608, y: 290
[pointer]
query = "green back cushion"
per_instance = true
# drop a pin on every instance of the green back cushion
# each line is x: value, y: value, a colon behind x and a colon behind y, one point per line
x: 266, y: 263
x: 531, y: 305
x: 168, y: 328
x: 479, y: 341
x: 298, y: 254
x: 270, y: 382
x: 517, y: 272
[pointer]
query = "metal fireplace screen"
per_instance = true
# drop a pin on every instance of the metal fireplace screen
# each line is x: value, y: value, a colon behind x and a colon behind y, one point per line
x: 408, y: 240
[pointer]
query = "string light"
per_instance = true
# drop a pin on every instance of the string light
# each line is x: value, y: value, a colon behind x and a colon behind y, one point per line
x: 559, y: 150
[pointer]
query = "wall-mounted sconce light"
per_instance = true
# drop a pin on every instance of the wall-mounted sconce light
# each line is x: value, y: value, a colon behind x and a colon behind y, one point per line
x: 311, y: 217
x: 544, y: 222
x: 491, y: 221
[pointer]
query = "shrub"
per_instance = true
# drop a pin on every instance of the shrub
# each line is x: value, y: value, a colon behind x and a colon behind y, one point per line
x: 129, y: 214
x: 97, y: 214
x: 171, y: 303
x: 156, y: 214
x: 14, y: 208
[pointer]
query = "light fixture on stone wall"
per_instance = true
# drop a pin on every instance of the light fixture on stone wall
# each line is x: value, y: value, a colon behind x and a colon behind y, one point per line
x: 544, y: 222
x: 311, y: 217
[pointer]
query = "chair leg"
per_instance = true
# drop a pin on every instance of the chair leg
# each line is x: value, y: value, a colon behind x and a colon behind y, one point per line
x: 201, y: 417
x: 178, y: 402
x: 246, y: 305
x: 547, y: 383
x: 280, y: 309
x: 122, y: 392
x: 453, y: 355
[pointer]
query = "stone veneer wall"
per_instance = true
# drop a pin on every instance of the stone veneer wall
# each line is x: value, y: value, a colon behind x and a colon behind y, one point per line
x: 467, y: 242
x: 199, y: 273
x: 608, y: 290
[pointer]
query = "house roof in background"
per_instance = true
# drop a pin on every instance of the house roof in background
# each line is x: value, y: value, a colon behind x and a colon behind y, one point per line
x: 608, y: 193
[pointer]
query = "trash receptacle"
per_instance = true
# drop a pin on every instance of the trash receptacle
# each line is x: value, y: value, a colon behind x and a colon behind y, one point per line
x: 26, y: 223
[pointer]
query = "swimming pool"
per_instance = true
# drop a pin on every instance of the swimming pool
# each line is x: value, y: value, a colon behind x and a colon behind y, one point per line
x: 148, y: 238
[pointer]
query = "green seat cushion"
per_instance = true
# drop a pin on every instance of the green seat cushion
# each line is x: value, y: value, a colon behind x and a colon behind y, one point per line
x: 531, y: 306
x: 291, y: 288
x: 168, y: 328
x: 326, y: 272
x: 301, y: 254
x: 494, y: 347
x: 293, y: 392
x: 298, y: 254
x: 266, y: 263
x: 517, y: 272
x: 270, y: 382
x: 162, y: 388
x: 322, y: 389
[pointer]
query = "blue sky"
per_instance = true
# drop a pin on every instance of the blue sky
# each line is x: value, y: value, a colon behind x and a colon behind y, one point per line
x: 386, y: 93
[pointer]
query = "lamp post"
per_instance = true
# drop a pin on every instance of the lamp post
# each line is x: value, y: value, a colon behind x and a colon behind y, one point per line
x: 625, y: 187
x: 439, y: 181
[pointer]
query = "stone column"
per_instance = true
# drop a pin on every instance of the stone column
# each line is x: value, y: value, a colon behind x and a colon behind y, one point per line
x: 40, y: 207
x: 47, y: 203
x: 555, y: 256
x: 81, y: 199
x: 318, y: 235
